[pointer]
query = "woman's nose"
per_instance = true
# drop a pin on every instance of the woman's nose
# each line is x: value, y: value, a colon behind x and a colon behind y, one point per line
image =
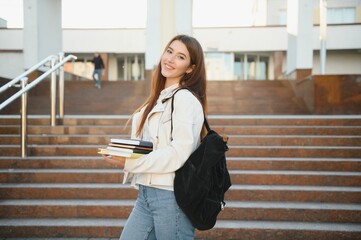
x: 170, y: 58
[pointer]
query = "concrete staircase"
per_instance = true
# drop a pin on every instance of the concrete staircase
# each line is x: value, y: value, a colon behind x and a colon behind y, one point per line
x: 123, y: 97
x: 294, y: 177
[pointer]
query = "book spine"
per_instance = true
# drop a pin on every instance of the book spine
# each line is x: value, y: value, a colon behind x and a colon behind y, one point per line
x: 118, y: 153
x: 128, y: 150
x: 132, y: 142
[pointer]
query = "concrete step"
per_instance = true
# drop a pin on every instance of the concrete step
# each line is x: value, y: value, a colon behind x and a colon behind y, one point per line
x: 234, y: 210
x: 67, y: 190
x: 281, y: 140
x: 288, y: 178
x: 83, y: 129
x: 289, y: 130
x: 242, y: 177
x: 234, y: 151
x: 295, y: 151
x: 234, y: 163
x: 294, y: 193
x: 294, y: 163
x: 230, y: 130
x: 285, y: 120
x: 273, y: 193
x: 294, y: 140
x: 10, y: 129
x: 110, y: 227
x: 57, y: 162
x: 67, y: 208
x: 66, y: 162
x: 100, y: 139
x: 228, y: 120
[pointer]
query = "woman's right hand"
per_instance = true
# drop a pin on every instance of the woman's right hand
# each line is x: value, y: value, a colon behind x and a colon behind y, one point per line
x: 115, y: 160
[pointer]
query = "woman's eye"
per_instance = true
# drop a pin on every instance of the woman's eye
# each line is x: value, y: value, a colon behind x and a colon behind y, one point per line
x: 181, y: 57
x: 169, y: 51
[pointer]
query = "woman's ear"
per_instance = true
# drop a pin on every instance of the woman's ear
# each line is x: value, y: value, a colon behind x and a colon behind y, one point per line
x: 190, y: 69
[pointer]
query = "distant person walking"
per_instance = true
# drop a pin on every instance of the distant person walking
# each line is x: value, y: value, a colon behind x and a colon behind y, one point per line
x: 98, y: 69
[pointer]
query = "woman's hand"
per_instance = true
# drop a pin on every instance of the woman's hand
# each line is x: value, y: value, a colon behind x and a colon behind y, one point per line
x: 115, y: 160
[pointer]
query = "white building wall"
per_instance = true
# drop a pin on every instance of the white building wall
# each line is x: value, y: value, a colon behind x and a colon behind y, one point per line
x: 212, y: 39
x: 242, y: 39
x: 12, y: 64
x: 11, y: 53
x: 339, y: 62
x: 11, y: 39
x: 104, y: 40
x: 238, y: 40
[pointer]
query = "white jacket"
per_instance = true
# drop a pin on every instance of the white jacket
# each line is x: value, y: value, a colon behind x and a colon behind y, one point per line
x: 157, y: 169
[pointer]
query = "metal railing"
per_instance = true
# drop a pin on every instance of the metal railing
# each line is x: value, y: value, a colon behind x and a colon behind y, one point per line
x: 56, y: 62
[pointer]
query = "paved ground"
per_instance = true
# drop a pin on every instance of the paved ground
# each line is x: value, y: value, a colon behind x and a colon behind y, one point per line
x: 59, y: 238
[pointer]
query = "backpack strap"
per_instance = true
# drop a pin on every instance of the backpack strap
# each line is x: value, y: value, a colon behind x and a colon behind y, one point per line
x: 205, y: 122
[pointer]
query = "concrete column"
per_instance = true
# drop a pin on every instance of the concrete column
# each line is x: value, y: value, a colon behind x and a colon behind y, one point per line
x: 42, y: 30
x: 299, y: 29
x: 184, y: 17
x: 165, y: 19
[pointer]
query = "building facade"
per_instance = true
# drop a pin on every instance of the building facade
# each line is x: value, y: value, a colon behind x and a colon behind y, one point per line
x: 255, y: 47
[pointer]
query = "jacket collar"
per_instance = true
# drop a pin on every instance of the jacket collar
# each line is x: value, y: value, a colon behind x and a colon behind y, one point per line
x: 167, y: 93
x: 164, y: 95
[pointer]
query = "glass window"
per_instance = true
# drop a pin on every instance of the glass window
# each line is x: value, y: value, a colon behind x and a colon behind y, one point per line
x: 219, y: 66
x: 250, y: 67
x: 239, y: 67
x: 130, y: 67
x: 263, y: 68
x: 341, y: 15
x: 282, y: 18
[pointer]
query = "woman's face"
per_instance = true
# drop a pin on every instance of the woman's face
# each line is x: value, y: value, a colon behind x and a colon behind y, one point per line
x: 175, y: 61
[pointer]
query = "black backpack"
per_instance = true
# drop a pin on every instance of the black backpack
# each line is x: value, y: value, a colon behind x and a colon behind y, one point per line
x: 200, y: 184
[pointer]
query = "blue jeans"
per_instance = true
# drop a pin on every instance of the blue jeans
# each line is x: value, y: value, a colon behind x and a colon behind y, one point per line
x: 156, y: 216
x: 98, y: 80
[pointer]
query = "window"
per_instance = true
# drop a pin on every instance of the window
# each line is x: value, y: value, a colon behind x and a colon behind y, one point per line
x: 341, y: 15
x: 130, y: 67
x: 251, y: 67
x: 282, y: 18
x: 219, y: 66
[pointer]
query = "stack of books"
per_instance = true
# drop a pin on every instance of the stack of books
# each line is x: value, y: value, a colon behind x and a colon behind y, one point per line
x: 129, y: 148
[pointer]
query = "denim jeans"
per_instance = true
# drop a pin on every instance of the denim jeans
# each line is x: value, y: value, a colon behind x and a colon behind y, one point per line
x: 156, y: 216
x: 98, y: 80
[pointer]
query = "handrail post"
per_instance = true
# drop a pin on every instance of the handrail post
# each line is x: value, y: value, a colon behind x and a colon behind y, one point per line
x: 61, y: 89
x: 24, y: 124
x: 53, y: 94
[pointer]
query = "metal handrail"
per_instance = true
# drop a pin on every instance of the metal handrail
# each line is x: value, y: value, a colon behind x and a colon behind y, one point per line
x: 26, y: 87
x: 26, y: 73
x: 36, y: 81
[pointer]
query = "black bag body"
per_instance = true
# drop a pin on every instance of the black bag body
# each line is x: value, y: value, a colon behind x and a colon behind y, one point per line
x: 200, y: 184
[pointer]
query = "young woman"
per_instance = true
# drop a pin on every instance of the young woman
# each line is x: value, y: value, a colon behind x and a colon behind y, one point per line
x: 156, y: 214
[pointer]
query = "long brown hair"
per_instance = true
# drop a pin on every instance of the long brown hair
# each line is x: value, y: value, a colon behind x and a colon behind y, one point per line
x: 195, y: 81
